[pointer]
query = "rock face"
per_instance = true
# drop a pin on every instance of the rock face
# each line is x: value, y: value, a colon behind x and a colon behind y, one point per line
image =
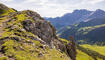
x: 43, y: 30
x: 40, y: 28
x: 26, y: 32
x: 72, y: 49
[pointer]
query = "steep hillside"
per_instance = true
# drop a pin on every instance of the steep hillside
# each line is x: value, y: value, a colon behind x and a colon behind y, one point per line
x: 90, y: 32
x: 25, y: 35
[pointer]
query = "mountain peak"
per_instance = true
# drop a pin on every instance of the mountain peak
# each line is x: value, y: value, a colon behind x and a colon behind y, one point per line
x: 99, y: 10
x: 97, y: 14
x: 81, y: 10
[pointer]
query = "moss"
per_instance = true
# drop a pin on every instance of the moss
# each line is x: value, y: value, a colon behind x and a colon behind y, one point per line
x: 4, y: 58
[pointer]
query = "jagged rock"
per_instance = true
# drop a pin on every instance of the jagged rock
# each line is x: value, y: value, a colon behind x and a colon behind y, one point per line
x: 41, y: 28
x: 71, y: 49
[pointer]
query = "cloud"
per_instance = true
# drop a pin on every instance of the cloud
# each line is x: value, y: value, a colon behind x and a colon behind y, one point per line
x: 92, y: 1
x: 52, y: 8
x: 6, y: 0
x: 96, y: 1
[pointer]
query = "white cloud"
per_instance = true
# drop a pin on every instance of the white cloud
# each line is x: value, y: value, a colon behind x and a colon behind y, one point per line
x: 51, y: 8
x: 6, y: 0
x: 92, y: 1
x: 95, y: 1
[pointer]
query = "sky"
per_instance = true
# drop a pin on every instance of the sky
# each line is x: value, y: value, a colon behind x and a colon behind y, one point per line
x: 54, y: 8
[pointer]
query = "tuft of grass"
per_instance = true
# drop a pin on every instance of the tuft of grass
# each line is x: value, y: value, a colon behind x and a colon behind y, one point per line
x: 3, y: 58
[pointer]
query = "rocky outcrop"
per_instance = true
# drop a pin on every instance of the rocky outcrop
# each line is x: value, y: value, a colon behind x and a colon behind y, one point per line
x: 40, y: 28
x: 71, y: 49
x: 27, y: 31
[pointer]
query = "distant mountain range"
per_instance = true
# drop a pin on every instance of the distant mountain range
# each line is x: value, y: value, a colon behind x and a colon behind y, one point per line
x: 86, y: 26
x: 92, y: 31
x: 75, y: 17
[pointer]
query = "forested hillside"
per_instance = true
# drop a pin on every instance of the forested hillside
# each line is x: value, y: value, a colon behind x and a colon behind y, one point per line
x: 90, y: 32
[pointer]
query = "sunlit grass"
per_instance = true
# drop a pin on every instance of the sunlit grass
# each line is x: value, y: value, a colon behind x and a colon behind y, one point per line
x: 99, y: 49
x: 83, y: 56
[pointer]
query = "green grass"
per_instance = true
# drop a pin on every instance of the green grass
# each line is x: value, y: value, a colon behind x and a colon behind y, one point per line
x: 92, y: 51
x: 85, y: 30
x: 26, y: 51
x: 83, y: 56
x: 26, y: 48
x: 99, y: 49
x: 6, y: 12
x: 3, y: 12
x: 53, y: 54
x: 3, y: 58
x: 64, y: 40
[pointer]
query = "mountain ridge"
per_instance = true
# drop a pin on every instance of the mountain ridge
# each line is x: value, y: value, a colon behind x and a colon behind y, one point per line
x: 75, y: 17
x: 91, y: 32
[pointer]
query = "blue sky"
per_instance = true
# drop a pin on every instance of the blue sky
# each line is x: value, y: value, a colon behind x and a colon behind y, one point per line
x: 53, y: 8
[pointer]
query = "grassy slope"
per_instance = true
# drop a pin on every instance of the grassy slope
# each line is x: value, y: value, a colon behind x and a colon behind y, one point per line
x: 83, y: 56
x: 89, y: 52
x: 100, y: 49
x: 26, y: 48
x: 92, y: 52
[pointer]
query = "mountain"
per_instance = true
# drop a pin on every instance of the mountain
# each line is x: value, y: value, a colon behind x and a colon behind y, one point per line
x: 75, y: 17
x: 91, y: 32
x: 25, y: 35
x: 97, y: 14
